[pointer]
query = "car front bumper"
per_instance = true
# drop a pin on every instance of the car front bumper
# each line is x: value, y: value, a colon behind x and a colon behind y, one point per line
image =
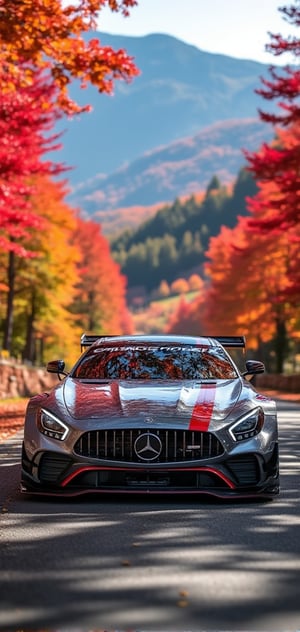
x: 244, y: 475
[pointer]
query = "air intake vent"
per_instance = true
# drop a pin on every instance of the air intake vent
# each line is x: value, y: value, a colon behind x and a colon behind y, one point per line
x: 245, y: 469
x: 53, y: 466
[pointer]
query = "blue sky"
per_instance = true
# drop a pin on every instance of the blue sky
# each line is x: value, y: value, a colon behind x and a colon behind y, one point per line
x: 238, y: 28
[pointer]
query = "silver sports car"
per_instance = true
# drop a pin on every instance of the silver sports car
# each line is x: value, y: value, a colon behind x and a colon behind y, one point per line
x: 153, y: 414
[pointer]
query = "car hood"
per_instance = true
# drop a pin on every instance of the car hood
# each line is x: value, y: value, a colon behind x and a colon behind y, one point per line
x: 152, y: 401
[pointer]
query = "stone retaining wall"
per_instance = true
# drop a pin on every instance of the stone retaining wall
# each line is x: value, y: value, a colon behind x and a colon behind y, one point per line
x: 283, y: 383
x: 18, y: 380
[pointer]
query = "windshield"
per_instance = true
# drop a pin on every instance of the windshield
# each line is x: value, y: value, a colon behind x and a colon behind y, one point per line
x: 161, y: 362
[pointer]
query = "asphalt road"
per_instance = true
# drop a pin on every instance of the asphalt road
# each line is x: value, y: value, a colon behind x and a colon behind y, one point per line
x: 152, y: 564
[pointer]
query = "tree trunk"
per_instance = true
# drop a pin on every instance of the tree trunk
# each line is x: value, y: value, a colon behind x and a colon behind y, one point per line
x: 91, y: 311
x: 281, y: 344
x: 9, y: 318
x: 29, y: 351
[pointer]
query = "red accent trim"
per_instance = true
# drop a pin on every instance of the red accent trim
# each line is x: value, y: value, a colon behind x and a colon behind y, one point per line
x: 212, y: 470
x: 202, y: 411
x: 89, y: 468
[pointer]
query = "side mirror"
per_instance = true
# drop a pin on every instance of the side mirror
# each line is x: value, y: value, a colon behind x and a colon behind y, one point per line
x: 254, y: 367
x: 56, y: 366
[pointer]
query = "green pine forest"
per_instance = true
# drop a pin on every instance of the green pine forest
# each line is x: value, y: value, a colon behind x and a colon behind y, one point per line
x: 173, y: 242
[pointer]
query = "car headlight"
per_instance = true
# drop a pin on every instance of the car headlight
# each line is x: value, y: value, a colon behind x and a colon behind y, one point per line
x: 50, y: 426
x: 248, y: 426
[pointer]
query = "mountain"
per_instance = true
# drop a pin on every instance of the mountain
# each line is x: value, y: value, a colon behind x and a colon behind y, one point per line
x: 181, y: 90
x: 177, y: 170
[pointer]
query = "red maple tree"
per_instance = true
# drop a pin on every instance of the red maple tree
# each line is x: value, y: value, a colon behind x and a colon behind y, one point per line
x: 27, y: 114
x: 275, y: 210
x: 278, y: 162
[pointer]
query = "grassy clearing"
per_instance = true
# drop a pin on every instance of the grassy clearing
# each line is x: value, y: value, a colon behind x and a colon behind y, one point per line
x: 154, y: 318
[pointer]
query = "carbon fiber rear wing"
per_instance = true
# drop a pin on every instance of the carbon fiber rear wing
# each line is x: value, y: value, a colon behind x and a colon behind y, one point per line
x: 230, y: 342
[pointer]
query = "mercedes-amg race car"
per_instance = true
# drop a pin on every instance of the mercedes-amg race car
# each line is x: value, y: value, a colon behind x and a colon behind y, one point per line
x: 153, y: 414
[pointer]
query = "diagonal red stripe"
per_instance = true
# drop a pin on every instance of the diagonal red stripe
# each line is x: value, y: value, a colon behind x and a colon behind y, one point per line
x: 203, y: 408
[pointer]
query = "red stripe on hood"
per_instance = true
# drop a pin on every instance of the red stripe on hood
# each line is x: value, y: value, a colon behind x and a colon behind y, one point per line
x: 203, y: 408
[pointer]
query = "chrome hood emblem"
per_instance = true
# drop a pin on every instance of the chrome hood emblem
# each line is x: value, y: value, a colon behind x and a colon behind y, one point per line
x: 148, y: 446
x: 149, y: 420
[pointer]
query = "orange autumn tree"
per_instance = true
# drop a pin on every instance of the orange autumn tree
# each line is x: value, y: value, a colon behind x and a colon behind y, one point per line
x: 100, y: 303
x: 228, y: 294
x: 247, y: 290
x: 246, y: 284
x: 285, y: 246
x: 45, y: 284
x: 51, y: 34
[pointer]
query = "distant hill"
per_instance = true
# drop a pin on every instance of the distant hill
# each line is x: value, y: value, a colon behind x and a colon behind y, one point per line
x: 180, y: 169
x: 181, y: 91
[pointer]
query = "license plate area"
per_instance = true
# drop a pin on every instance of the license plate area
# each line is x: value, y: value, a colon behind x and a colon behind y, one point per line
x: 147, y: 480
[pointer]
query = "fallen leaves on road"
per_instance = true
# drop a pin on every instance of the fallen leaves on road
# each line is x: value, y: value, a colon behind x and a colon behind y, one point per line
x: 11, y: 417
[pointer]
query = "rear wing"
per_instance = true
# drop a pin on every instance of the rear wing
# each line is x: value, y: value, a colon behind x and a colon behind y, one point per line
x: 87, y: 340
x: 236, y: 347
x: 230, y: 342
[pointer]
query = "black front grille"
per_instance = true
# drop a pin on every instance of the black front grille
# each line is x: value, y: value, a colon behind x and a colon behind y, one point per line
x: 169, y: 446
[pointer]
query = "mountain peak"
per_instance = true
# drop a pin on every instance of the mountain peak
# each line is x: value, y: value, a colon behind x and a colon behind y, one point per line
x: 181, y: 93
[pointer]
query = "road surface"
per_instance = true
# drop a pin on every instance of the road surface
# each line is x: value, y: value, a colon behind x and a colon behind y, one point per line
x: 158, y: 565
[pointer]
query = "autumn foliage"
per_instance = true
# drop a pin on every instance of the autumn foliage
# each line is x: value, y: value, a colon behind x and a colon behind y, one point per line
x: 57, y: 274
x: 71, y: 285
x: 100, y: 302
x: 253, y: 270
x: 276, y: 208
x: 277, y: 163
x: 27, y: 114
x: 49, y: 34
x: 49, y: 258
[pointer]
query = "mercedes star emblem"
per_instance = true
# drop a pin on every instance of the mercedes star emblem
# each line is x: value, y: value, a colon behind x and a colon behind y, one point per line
x: 148, y: 446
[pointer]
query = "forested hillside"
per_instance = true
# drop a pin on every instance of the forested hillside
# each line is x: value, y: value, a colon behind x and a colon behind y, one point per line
x: 180, y: 169
x: 173, y: 242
